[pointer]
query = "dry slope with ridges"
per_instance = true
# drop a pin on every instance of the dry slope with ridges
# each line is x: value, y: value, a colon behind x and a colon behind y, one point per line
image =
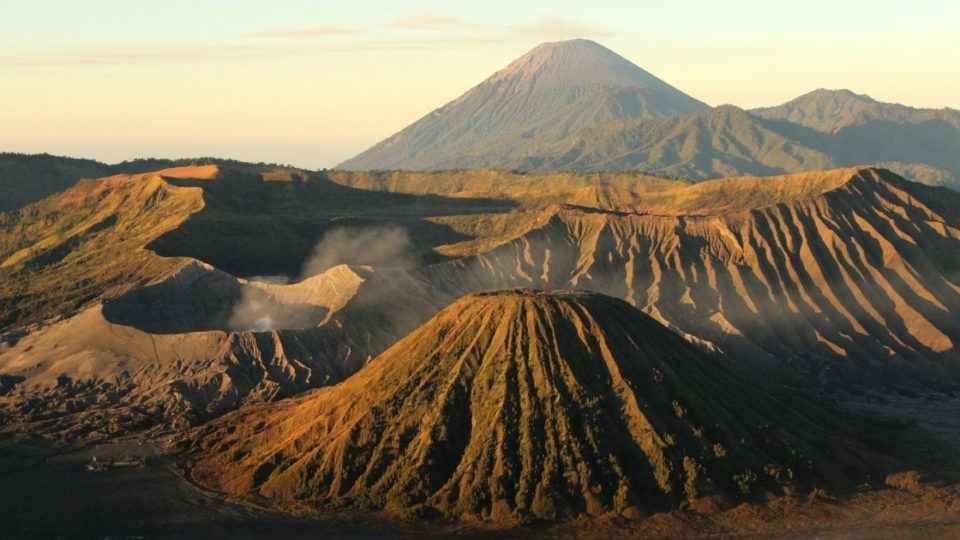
x: 529, y: 404
x: 170, y: 355
x: 826, y: 277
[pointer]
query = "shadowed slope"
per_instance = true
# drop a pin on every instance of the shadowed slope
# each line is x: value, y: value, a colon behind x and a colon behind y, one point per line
x: 99, y: 334
x: 27, y: 178
x: 529, y: 404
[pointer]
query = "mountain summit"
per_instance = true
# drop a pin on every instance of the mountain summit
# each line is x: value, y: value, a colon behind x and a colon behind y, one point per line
x: 579, y: 63
x: 830, y: 110
x: 540, y: 98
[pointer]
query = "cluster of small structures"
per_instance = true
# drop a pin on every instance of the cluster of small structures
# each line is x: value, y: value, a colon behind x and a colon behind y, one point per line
x: 122, y: 462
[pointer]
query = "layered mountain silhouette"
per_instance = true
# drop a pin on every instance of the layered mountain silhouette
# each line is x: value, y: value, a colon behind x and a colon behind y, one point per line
x: 529, y: 404
x: 830, y: 111
x: 729, y: 141
x: 922, y: 144
x: 552, y: 91
x: 576, y: 106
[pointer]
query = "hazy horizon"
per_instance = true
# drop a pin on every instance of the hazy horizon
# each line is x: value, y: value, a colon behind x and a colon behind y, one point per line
x: 313, y: 85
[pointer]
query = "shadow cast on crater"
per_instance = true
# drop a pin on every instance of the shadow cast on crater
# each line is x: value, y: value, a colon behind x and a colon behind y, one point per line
x: 254, y: 226
x: 200, y: 298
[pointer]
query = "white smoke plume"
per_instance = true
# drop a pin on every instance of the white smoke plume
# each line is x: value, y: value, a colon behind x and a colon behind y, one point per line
x: 252, y: 313
x: 258, y: 311
x: 367, y: 246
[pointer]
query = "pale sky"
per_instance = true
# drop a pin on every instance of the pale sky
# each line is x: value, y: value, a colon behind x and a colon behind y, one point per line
x: 313, y: 83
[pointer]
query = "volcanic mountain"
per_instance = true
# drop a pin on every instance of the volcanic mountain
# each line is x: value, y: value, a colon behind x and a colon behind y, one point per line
x: 522, y: 404
x: 540, y: 98
x: 576, y: 106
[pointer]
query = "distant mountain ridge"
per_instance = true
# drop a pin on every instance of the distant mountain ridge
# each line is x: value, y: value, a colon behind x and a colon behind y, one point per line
x: 28, y: 178
x: 829, y: 111
x: 922, y: 144
x: 577, y: 106
x: 718, y: 142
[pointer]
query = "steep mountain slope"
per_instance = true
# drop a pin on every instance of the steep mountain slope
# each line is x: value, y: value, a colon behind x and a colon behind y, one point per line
x: 107, y: 318
x: 858, y: 264
x: 552, y: 90
x: 529, y: 404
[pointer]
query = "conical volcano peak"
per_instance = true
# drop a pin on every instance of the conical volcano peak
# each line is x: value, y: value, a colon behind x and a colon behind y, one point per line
x: 537, y: 99
x: 577, y: 63
x: 521, y: 404
x: 570, y: 44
